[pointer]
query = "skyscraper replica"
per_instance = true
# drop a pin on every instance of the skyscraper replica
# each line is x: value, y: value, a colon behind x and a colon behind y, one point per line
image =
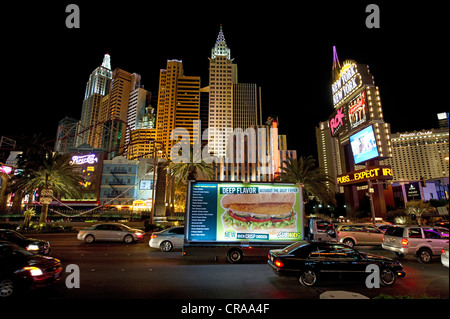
x: 178, y: 105
x: 222, y: 76
x: 96, y: 88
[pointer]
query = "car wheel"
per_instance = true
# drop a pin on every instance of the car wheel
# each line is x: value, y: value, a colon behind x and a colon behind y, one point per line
x: 89, y: 239
x: 7, y: 288
x: 349, y: 242
x: 128, y: 239
x: 234, y: 256
x: 387, y: 277
x: 166, y: 246
x: 308, y: 278
x: 424, y: 255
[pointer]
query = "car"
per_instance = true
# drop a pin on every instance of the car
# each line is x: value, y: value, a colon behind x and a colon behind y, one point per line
x: 167, y: 239
x: 444, y: 256
x: 110, y: 232
x: 20, y: 270
x: 312, y: 261
x: 359, y: 234
x: 424, y: 242
x: 36, y: 246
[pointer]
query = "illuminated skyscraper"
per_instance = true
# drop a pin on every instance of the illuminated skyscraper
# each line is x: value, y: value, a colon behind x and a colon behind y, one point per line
x: 222, y: 76
x: 178, y: 104
x: 96, y: 88
x: 246, y: 105
x: 114, y: 111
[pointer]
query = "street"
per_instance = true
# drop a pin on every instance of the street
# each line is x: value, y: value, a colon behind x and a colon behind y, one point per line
x: 136, y: 271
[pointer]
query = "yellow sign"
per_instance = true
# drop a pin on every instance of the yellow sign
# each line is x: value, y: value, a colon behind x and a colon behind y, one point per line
x: 371, y: 173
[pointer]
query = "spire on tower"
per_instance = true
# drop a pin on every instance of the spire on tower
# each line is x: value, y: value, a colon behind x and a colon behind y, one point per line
x: 336, y: 65
x: 107, y: 61
x: 221, y: 46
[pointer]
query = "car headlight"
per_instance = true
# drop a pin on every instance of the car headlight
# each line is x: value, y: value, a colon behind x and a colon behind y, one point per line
x: 34, y: 271
x: 33, y: 247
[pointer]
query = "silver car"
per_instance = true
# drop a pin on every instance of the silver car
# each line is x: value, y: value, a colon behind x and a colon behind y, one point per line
x: 424, y: 242
x: 110, y: 232
x: 167, y: 239
x: 359, y: 234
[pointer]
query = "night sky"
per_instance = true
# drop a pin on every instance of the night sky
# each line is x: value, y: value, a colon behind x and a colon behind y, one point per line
x: 285, y: 47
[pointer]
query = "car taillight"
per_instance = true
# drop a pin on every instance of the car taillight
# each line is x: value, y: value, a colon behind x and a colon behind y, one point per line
x: 278, y: 263
x: 383, y: 238
x: 404, y: 242
x: 153, y: 236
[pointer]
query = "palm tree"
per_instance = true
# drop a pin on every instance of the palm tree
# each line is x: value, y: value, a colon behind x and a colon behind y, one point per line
x: 189, y: 171
x: 56, y: 175
x: 304, y: 171
x: 419, y: 209
x: 180, y: 173
x: 33, y: 151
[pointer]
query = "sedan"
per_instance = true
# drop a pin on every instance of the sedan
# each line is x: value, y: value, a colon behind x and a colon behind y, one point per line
x: 110, y: 232
x: 20, y: 269
x: 311, y: 261
x: 36, y: 246
x: 167, y: 239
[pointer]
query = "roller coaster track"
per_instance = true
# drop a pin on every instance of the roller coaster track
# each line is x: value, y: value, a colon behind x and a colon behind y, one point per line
x: 67, y: 133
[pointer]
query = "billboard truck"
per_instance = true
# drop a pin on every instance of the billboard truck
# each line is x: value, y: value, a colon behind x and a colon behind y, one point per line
x: 236, y: 219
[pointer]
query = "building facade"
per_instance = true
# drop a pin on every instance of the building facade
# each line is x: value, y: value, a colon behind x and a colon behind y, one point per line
x: 66, y: 134
x: 222, y: 76
x: 178, y: 105
x: 139, y: 100
x: 420, y: 155
x: 97, y: 87
x: 246, y: 105
x: 114, y: 112
x: 118, y: 184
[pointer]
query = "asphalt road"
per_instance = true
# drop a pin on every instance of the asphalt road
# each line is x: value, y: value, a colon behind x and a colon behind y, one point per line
x: 136, y: 271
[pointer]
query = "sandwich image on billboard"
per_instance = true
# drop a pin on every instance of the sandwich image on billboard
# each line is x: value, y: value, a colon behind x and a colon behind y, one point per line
x: 364, y: 145
x: 224, y: 211
x: 269, y: 214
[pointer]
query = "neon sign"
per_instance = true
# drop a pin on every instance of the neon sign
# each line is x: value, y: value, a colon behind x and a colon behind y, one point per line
x: 84, y: 159
x: 337, y: 121
x: 371, y: 173
x: 348, y: 81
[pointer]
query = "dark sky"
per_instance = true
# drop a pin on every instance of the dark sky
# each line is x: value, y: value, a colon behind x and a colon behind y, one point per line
x: 285, y: 47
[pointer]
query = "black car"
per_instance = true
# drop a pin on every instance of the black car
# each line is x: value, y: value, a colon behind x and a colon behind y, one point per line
x: 310, y: 261
x: 36, y: 246
x: 20, y: 269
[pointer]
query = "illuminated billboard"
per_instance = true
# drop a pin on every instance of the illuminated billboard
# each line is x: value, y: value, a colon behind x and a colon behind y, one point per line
x: 90, y: 166
x: 221, y: 211
x: 357, y: 110
x: 348, y: 81
x: 364, y: 145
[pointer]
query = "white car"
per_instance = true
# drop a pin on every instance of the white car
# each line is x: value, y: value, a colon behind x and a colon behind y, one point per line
x: 167, y: 239
x: 110, y: 232
x: 444, y: 256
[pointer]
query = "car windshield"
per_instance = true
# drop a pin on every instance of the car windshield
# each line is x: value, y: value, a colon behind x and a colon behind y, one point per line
x: 289, y: 249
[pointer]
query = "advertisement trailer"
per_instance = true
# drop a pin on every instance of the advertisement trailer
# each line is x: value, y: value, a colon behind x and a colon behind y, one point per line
x: 241, y: 212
